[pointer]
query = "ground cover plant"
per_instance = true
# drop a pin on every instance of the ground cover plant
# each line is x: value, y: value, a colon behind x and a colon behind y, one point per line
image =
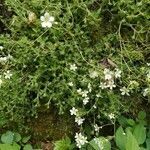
x: 87, y: 59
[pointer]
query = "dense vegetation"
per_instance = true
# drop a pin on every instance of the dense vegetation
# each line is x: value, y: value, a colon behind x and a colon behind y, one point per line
x: 88, y: 60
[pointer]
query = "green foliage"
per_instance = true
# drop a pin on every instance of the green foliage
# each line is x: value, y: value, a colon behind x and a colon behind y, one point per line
x: 13, y: 141
x: 100, y: 143
x: 134, y: 136
x: 65, y: 65
x: 64, y: 144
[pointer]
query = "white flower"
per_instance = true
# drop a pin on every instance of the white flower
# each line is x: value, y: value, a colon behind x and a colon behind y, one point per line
x: 70, y: 84
x: 79, y: 120
x: 73, y: 111
x: 148, y: 64
x: 73, y: 67
x: 111, y: 84
x: 79, y: 91
x: 85, y: 100
x: 117, y: 73
x: 148, y: 75
x: 89, y: 87
x: 146, y: 92
x: 1, y: 47
x: 103, y: 85
x: 7, y: 74
x: 93, y: 74
x: 111, y: 116
x: 108, y: 74
x: 80, y: 140
x: 84, y: 93
x: 96, y: 128
x: 47, y: 20
x: 124, y: 91
x: 3, y: 59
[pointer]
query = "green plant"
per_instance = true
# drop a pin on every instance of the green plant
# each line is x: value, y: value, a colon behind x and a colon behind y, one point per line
x: 14, y: 141
x: 132, y: 135
x: 89, y: 58
x: 64, y: 144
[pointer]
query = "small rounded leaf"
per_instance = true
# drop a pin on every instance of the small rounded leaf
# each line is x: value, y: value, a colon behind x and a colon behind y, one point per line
x: 27, y: 147
x: 7, y: 138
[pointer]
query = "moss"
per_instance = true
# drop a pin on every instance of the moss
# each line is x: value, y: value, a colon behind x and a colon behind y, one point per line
x: 50, y: 126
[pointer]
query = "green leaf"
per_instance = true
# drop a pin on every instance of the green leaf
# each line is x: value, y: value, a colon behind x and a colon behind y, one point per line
x: 141, y: 115
x: 120, y: 138
x: 140, y: 133
x: 9, y: 147
x: 64, y: 144
x: 7, y: 138
x: 148, y: 143
x: 131, y: 122
x: 26, y: 139
x: 17, y: 137
x: 27, y: 147
x: 131, y: 143
x: 100, y: 143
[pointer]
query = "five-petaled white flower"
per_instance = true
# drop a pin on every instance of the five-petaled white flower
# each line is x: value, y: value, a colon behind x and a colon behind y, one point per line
x: 117, y: 73
x: 73, y: 67
x: 47, y: 20
x: 7, y: 74
x: 84, y: 93
x: 79, y: 120
x: 93, y: 74
x: 124, y: 91
x: 80, y: 140
x: 103, y: 85
x: 111, y: 116
x: 73, y: 111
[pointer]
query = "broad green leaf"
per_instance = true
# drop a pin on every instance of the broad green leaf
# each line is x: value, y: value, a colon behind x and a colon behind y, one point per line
x: 141, y: 115
x: 131, y: 143
x: 26, y: 139
x: 120, y: 138
x: 9, y: 147
x: 7, y: 138
x: 140, y: 133
x: 27, y: 147
x: 100, y: 143
x: 17, y: 137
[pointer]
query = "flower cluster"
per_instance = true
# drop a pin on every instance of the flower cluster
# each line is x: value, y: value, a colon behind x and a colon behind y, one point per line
x: 109, y: 77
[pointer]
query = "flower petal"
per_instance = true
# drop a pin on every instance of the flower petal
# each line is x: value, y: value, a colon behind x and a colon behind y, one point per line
x: 51, y: 18
x: 42, y: 18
